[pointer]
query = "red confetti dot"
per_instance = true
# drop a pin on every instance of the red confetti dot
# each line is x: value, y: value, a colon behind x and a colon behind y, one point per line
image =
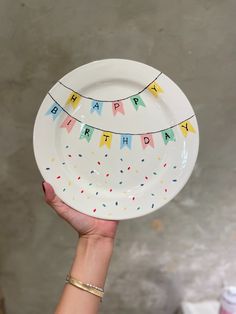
x: 165, y: 165
x: 129, y: 168
x: 82, y: 191
x: 78, y: 178
x: 99, y: 163
x: 94, y: 210
x: 58, y: 177
x: 165, y: 190
x: 69, y: 155
x: 133, y: 198
x: 110, y: 190
x: 146, y: 178
x: 107, y: 175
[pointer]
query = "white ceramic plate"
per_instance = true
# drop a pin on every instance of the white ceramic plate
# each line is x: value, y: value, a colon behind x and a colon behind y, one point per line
x: 146, y: 154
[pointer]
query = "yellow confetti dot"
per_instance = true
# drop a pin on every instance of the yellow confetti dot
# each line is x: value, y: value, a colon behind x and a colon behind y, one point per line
x: 69, y: 183
x: 158, y: 157
x: 161, y: 181
x: 53, y: 159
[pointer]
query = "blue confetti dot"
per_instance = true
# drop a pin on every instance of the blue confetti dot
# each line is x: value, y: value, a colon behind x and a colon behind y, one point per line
x: 64, y: 190
x: 92, y: 171
x: 47, y: 168
x: 120, y: 182
x: 121, y: 159
x: 174, y: 180
x: 121, y: 171
x: 174, y: 167
x: 80, y: 155
x: 104, y: 205
x: 152, y: 194
x: 106, y: 155
x: 96, y: 193
x: 138, y: 208
x: 142, y: 160
x: 142, y: 184
x: 116, y: 203
x: 155, y: 173
x: 67, y: 146
x: 90, y: 183
x: 152, y: 205
x: 63, y: 163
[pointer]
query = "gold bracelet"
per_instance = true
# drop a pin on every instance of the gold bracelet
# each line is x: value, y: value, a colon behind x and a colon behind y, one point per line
x: 86, y: 287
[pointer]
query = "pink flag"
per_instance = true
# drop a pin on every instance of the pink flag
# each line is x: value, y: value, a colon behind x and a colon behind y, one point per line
x: 68, y: 123
x: 147, y: 139
x: 117, y: 106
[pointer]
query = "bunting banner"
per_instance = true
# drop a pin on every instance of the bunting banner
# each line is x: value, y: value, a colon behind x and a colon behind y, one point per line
x: 86, y: 132
x: 54, y: 111
x: 106, y: 139
x: 186, y: 127
x: 125, y: 140
x: 118, y: 106
x: 73, y: 100
x: 68, y: 123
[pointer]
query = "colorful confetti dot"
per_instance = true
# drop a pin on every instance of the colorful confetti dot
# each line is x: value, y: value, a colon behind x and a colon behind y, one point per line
x: 121, y: 171
x: 153, y: 205
x: 64, y: 190
x: 174, y: 167
x: 69, y: 183
x: 58, y: 177
x: 99, y: 163
x: 174, y: 180
x: 165, y: 190
x: 129, y: 168
x: 69, y: 155
x: 120, y: 182
x: 116, y: 203
x: 146, y: 178
x: 142, y: 160
x: 78, y: 178
x: 63, y: 163
x: 67, y: 146
x: 104, y: 205
x: 92, y: 171
x: 121, y: 159
x: 154, y: 173
x: 106, y: 155
x: 96, y: 193
x: 107, y: 175
x: 82, y: 191
x: 110, y: 190
x: 53, y: 159
x: 94, y: 210
x: 47, y: 168
x: 142, y: 184
x: 90, y: 184
x: 164, y: 164
x: 133, y: 198
x: 152, y: 194
x: 80, y: 155
x: 138, y: 208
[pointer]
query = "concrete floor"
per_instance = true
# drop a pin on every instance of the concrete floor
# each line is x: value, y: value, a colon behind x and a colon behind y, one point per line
x: 184, y: 251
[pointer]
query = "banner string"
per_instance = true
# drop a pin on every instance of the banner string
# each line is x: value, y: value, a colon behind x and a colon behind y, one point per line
x: 113, y: 132
x: 90, y: 98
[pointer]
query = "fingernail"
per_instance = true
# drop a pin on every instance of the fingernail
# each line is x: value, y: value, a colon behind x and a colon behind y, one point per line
x: 43, y: 186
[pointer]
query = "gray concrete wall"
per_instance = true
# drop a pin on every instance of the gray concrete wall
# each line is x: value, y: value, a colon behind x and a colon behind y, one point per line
x: 186, y: 250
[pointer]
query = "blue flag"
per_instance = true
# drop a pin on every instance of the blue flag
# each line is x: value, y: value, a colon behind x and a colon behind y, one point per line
x: 54, y: 111
x: 125, y: 140
x: 96, y: 106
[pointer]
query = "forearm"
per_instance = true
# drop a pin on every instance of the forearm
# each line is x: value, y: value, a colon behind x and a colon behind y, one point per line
x: 90, y: 265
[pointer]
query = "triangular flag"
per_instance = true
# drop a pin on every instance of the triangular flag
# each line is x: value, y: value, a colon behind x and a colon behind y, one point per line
x: 186, y: 127
x: 155, y: 88
x: 168, y: 135
x: 68, y: 123
x: 96, y: 106
x: 106, y: 139
x: 54, y: 111
x: 137, y: 101
x: 147, y: 140
x: 117, y: 106
x: 86, y: 132
x: 125, y: 140
x: 73, y: 100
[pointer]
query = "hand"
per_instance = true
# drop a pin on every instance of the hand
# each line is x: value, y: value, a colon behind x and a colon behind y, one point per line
x: 86, y: 226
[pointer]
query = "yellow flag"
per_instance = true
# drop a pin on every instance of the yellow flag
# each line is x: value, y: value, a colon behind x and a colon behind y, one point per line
x: 73, y: 100
x: 186, y: 127
x: 155, y: 88
x: 106, y: 139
